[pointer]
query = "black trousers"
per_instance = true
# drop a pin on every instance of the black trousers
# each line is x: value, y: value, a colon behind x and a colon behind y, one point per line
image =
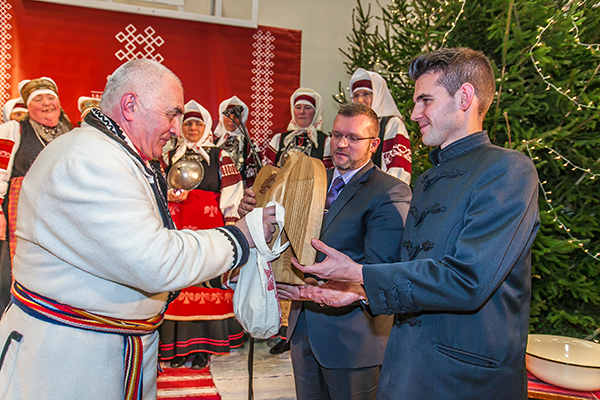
x: 315, y: 382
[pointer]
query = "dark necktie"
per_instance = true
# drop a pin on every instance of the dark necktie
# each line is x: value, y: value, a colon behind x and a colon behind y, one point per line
x: 338, y: 185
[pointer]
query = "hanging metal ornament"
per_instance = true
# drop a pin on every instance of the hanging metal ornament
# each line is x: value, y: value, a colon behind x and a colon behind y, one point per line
x: 185, y: 174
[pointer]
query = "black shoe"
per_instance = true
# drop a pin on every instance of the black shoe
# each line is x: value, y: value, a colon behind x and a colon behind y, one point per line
x: 281, y: 347
x: 200, y: 360
x: 178, y: 362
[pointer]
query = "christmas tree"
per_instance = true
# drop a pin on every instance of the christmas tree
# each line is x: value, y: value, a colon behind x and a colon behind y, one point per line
x: 546, y: 57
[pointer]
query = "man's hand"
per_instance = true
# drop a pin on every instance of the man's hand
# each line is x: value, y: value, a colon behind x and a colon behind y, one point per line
x: 334, y: 293
x: 248, y: 202
x: 269, y: 226
x: 177, y: 195
x: 336, y: 266
x: 291, y: 292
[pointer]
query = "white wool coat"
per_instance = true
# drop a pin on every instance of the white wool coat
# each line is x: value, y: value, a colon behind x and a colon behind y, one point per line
x: 90, y: 235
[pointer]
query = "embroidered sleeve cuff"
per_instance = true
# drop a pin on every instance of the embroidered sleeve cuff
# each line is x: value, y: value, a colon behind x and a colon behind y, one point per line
x: 240, y: 245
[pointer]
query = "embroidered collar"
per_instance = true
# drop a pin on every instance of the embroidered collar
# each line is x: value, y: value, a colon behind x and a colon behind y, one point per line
x: 460, y: 147
x: 109, y: 127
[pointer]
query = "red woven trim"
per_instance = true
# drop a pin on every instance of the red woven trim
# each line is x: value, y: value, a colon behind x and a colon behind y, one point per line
x: 6, y: 148
x: 306, y: 97
x: 193, y: 114
x: 362, y: 84
x: 11, y: 219
x: 229, y: 173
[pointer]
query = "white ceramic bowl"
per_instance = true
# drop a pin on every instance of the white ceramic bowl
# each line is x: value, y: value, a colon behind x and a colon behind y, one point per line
x: 563, y: 361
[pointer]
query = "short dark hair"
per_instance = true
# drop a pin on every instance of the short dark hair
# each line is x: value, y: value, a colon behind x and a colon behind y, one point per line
x: 457, y: 66
x: 356, y: 109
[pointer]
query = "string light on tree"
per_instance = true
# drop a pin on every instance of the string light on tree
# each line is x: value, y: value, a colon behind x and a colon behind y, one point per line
x: 547, y: 193
x: 383, y: 70
x: 462, y: 10
x: 547, y: 78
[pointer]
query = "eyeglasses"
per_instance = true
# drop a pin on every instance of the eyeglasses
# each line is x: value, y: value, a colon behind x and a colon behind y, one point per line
x: 337, y: 136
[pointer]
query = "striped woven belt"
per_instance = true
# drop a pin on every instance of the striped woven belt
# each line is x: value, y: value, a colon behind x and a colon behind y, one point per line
x: 48, y: 310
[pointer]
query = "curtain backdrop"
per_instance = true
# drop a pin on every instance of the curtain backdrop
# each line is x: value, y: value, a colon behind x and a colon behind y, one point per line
x: 79, y: 47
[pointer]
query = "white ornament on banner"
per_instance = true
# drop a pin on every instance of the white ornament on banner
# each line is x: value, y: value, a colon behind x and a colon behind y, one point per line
x: 147, y: 41
x: 262, y: 87
x: 4, y: 47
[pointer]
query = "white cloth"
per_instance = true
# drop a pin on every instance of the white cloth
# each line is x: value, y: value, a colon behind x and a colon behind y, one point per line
x: 255, y: 300
x: 90, y: 235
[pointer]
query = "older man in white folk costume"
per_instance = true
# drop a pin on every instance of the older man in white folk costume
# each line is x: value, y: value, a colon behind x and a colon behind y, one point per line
x: 97, y: 253
x: 394, y: 155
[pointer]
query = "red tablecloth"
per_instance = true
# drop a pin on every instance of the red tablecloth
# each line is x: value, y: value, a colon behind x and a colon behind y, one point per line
x: 542, y: 390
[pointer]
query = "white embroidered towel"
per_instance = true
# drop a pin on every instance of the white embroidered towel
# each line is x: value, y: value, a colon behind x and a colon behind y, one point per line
x: 255, y: 300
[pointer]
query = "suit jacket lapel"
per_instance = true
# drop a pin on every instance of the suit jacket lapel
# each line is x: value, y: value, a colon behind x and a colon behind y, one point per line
x: 347, y: 193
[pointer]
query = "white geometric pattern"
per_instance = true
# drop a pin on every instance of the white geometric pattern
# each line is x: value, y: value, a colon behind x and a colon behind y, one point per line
x: 4, y: 48
x: 262, y: 88
x: 132, y: 41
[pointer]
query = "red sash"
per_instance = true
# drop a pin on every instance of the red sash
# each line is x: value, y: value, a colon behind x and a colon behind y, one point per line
x: 51, y: 311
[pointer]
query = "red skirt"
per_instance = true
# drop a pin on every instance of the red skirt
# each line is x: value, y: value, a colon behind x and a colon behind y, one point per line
x: 199, y: 320
x: 199, y: 211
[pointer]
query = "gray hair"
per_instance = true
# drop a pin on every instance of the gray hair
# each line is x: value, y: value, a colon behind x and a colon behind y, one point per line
x: 141, y: 76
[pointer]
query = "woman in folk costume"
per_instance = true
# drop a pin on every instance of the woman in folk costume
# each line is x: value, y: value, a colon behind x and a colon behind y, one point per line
x: 304, y: 134
x: 394, y: 155
x: 14, y: 110
x: 21, y: 142
x: 304, y: 130
x: 231, y: 139
x: 201, y: 321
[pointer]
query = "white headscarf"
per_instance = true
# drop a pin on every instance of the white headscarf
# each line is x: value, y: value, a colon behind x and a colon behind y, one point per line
x: 13, y: 105
x: 194, y: 111
x: 383, y: 102
x: 220, y: 130
x: 313, y: 99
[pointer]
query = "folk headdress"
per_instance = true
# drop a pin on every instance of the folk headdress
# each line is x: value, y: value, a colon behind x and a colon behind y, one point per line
x: 313, y: 99
x: 194, y: 111
x: 383, y: 102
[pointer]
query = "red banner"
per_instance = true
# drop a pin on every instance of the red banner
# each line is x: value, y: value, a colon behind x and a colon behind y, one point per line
x: 79, y: 47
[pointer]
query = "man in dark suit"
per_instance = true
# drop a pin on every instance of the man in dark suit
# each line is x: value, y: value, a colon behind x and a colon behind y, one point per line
x: 461, y: 293
x: 337, y: 352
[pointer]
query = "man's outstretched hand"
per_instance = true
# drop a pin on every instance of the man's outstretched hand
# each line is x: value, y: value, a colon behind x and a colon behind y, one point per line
x: 334, y: 293
x: 336, y: 266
